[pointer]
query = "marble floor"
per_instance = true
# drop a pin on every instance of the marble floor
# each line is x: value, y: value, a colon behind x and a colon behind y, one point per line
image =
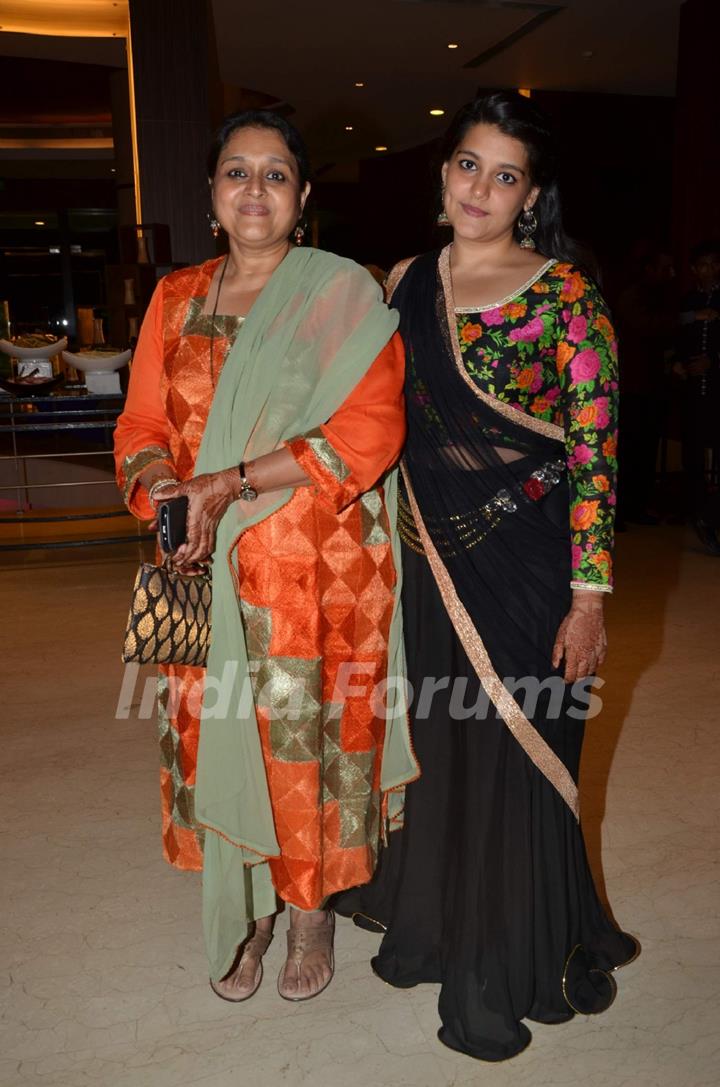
x: 104, y: 982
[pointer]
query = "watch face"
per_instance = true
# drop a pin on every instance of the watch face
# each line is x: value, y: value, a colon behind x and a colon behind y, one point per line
x: 248, y: 493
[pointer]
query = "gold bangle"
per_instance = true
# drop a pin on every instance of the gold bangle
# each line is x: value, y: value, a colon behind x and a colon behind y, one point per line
x: 158, y: 484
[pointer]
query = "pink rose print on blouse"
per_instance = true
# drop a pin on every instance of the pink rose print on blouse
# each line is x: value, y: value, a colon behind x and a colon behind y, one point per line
x: 493, y: 316
x: 528, y: 333
x: 577, y: 556
x: 602, y: 417
x: 577, y: 330
x: 581, y: 454
x: 585, y: 366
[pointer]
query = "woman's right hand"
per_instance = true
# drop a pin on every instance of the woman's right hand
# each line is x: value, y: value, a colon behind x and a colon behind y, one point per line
x: 209, y: 495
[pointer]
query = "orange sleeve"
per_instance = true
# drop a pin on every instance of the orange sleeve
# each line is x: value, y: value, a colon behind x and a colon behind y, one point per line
x: 363, y: 439
x: 142, y: 433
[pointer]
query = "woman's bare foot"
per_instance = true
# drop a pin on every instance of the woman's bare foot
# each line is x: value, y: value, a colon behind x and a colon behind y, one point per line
x: 245, y: 975
x: 310, y: 964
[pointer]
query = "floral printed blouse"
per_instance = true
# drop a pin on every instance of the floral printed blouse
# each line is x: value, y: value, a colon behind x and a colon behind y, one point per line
x: 551, y: 351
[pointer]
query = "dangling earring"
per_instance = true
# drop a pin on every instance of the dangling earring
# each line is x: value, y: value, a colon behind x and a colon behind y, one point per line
x: 527, y: 225
x: 442, y: 219
x: 299, y: 234
x: 214, y: 225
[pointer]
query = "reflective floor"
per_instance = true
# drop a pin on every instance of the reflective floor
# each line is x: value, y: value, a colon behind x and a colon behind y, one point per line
x: 105, y: 982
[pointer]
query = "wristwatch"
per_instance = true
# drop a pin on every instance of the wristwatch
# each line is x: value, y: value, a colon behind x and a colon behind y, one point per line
x: 247, y: 491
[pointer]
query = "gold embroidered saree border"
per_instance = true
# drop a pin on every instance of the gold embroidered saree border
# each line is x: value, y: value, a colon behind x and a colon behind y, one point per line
x: 394, y: 276
x: 537, y: 750
x: 540, y: 426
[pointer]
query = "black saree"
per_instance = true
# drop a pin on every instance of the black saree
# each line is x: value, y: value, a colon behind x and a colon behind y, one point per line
x: 487, y: 889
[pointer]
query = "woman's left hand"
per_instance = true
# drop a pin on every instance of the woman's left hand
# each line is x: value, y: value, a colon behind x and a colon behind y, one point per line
x: 209, y: 496
x: 581, y: 639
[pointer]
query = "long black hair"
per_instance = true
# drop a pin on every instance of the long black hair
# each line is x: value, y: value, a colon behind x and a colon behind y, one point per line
x: 516, y: 116
x: 260, y: 118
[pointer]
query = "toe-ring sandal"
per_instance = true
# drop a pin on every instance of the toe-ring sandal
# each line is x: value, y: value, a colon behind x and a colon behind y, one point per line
x: 300, y: 942
x: 256, y: 946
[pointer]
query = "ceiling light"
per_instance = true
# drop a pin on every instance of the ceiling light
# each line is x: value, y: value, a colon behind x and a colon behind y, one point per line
x: 437, y: 112
x: 348, y: 128
x: 381, y: 147
x: 452, y: 45
x: 39, y: 222
x: 587, y: 53
x: 524, y: 91
x: 360, y: 84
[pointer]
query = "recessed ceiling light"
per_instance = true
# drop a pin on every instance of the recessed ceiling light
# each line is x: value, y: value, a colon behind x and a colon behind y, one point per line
x: 452, y: 45
x: 587, y: 53
x: 348, y: 128
x: 381, y: 147
x: 437, y: 112
x: 360, y: 84
x: 39, y: 222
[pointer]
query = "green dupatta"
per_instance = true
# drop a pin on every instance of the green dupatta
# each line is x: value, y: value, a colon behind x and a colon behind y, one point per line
x: 308, y: 340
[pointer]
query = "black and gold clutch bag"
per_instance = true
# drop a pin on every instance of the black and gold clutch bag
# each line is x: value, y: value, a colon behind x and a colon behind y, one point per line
x: 169, y: 621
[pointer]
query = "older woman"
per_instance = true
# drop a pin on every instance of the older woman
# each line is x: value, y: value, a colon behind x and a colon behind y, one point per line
x: 267, y: 387
x: 507, y: 522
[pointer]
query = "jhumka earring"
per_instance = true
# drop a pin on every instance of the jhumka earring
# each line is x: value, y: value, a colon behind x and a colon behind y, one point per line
x: 299, y: 234
x: 214, y: 225
x: 442, y: 219
x: 527, y: 225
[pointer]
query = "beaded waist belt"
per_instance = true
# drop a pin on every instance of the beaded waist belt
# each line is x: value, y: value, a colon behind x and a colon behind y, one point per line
x: 472, y: 528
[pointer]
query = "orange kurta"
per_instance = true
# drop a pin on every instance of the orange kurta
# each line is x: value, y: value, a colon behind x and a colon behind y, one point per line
x: 316, y: 591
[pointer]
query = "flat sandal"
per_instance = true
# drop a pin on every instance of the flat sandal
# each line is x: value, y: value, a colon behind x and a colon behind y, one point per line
x: 257, y: 944
x: 300, y: 942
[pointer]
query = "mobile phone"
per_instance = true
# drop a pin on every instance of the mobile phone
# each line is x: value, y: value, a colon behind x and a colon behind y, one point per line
x: 172, y: 522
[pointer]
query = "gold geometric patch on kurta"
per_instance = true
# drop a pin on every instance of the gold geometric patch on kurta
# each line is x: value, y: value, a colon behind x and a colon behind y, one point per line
x: 347, y: 778
x: 182, y: 801
x: 289, y: 689
x: 374, y: 519
x: 326, y: 454
x: 257, y: 624
x: 198, y: 323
